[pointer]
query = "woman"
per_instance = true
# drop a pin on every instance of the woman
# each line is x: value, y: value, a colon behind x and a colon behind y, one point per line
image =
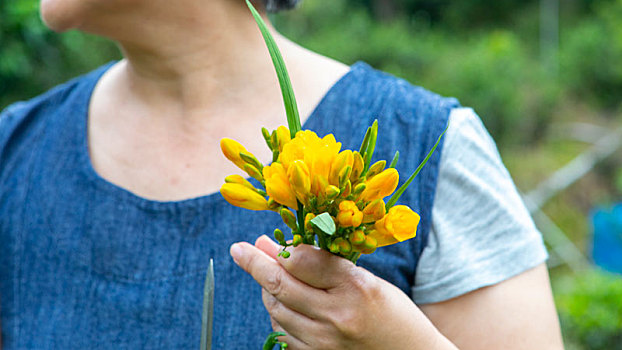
x: 110, y: 207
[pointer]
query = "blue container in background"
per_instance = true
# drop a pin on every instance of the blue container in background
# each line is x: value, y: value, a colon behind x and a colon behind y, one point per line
x: 607, y: 243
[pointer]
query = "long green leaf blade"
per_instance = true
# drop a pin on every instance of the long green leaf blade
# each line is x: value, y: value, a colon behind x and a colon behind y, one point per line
x: 291, y: 108
x: 403, y: 188
x: 207, y: 318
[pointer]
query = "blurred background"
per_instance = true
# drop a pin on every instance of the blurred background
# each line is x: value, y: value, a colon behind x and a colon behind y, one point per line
x: 544, y: 75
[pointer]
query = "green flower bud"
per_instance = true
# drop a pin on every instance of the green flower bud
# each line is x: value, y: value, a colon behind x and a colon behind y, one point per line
x: 288, y: 218
x: 279, y: 236
x: 297, y: 240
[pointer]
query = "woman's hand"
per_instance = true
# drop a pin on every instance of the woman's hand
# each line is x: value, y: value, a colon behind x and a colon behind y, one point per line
x: 325, y: 302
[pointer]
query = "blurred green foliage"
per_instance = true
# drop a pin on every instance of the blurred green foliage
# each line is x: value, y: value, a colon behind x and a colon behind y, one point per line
x: 485, y: 53
x: 592, y: 54
x: 33, y: 59
x: 498, y: 71
x: 590, y: 311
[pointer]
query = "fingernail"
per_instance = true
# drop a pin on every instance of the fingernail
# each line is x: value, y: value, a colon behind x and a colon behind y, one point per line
x: 236, y: 252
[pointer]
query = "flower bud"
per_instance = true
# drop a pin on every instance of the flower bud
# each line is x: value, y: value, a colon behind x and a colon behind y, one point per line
x: 282, y: 136
x: 288, y: 218
x: 347, y: 189
x: 266, y: 135
x: 332, y: 192
x: 380, y: 185
x: 279, y: 236
x: 358, y: 188
x: 341, y: 161
x: 250, y: 159
x: 349, y: 214
x: 357, y: 166
x: 344, y: 175
x: 374, y: 211
x: 376, y: 168
x: 297, y: 240
x: 344, y: 246
x: 357, y: 237
x: 308, y: 218
x: 238, y: 179
x: 243, y: 197
x: 285, y: 254
x: 231, y: 149
x: 334, y: 247
x: 370, y: 245
x: 253, y: 172
x: 299, y: 179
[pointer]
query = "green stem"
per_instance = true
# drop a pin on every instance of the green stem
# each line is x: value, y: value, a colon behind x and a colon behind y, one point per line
x: 300, y: 216
x: 354, y: 257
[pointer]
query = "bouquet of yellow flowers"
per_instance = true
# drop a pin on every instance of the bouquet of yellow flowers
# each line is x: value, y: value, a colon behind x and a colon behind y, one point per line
x: 337, y: 195
x: 328, y: 197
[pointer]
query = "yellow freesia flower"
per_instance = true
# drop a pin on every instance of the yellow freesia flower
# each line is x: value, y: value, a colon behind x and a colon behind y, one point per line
x: 341, y: 161
x: 231, y: 149
x: 349, y: 215
x: 282, y: 137
x: 243, y: 197
x: 398, y: 225
x: 238, y: 179
x: 299, y: 179
x: 317, y: 153
x: 380, y: 185
x: 278, y: 186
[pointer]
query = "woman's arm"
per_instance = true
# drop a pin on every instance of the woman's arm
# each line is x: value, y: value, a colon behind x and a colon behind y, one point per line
x: 518, y: 313
x: 325, y: 302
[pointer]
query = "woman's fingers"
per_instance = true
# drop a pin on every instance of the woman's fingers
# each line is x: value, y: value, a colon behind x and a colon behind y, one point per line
x: 296, y: 325
x: 277, y: 281
x: 293, y: 343
x: 313, y: 266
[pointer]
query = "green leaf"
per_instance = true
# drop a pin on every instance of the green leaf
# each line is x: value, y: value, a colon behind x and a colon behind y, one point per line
x: 324, y: 222
x: 291, y: 108
x: 208, y: 308
x: 403, y: 188
x: 395, y: 158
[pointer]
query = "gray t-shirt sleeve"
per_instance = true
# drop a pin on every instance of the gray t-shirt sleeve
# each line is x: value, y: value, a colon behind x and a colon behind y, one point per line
x: 481, y: 232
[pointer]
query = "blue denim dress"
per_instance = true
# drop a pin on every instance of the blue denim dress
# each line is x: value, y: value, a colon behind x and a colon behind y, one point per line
x: 85, y: 264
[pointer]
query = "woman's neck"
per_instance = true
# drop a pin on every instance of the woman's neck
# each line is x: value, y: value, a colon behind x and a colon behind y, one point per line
x: 193, y: 58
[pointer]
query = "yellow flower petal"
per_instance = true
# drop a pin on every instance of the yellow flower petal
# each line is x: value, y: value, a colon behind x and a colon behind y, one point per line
x: 349, y: 214
x: 398, y: 225
x: 278, y: 186
x: 380, y: 185
x: 243, y: 197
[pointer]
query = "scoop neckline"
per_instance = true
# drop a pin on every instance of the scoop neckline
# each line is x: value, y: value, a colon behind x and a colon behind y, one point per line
x: 128, y: 196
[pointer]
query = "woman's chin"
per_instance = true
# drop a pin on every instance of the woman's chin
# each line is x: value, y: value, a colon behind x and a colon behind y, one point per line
x: 60, y: 15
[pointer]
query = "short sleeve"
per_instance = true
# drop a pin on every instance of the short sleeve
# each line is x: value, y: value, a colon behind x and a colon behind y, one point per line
x: 481, y: 231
